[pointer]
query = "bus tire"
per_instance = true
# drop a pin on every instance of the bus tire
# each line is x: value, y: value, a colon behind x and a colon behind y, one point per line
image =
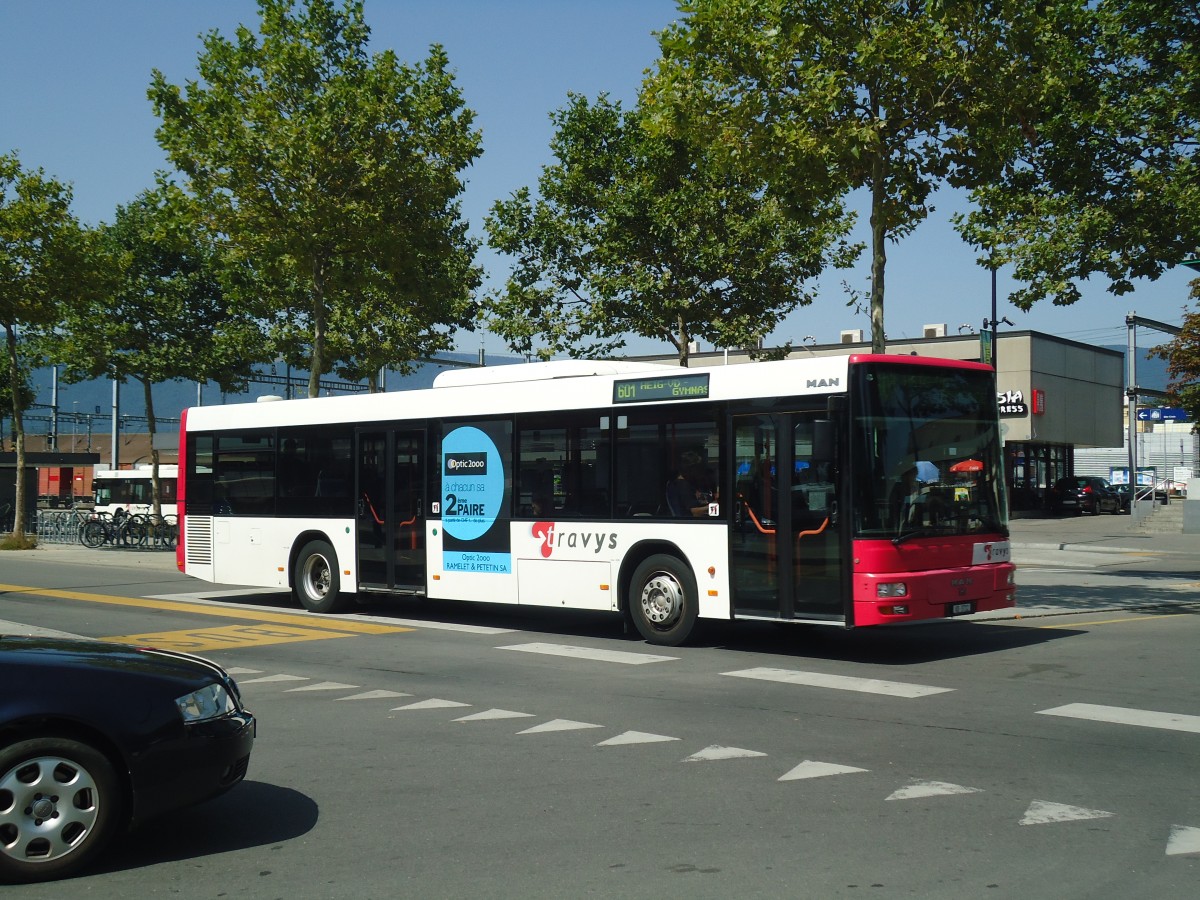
x: 662, y: 600
x: 316, y: 581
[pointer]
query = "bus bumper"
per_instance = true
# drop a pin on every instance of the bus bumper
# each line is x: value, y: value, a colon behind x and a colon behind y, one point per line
x: 883, y: 598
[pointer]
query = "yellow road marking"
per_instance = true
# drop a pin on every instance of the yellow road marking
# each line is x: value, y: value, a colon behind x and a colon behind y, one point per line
x: 197, y: 640
x: 201, y: 609
x: 1114, y: 621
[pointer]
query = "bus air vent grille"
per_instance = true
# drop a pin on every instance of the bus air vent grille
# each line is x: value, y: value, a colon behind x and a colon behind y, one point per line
x: 198, y: 535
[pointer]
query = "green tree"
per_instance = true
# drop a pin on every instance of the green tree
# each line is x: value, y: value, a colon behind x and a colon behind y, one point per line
x: 166, y: 316
x: 47, y: 261
x: 891, y: 97
x: 1108, y: 185
x: 644, y: 234
x: 331, y: 173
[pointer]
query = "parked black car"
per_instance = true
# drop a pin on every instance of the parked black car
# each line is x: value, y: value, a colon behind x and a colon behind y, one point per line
x: 1085, y: 493
x: 98, y: 737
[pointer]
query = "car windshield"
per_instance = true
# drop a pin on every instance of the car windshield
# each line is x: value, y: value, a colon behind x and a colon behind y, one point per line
x: 926, y: 453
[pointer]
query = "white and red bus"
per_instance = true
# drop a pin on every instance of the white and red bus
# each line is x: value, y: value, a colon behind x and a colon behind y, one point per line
x: 848, y: 490
x: 132, y: 490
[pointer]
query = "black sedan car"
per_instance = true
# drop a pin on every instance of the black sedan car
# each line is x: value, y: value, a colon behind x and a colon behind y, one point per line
x: 1084, y: 493
x: 97, y: 737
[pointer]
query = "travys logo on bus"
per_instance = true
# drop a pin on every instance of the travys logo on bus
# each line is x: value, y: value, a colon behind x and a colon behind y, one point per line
x: 552, y: 537
x: 466, y: 464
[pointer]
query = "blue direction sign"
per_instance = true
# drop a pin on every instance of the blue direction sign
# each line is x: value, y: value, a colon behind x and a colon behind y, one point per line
x: 1162, y: 414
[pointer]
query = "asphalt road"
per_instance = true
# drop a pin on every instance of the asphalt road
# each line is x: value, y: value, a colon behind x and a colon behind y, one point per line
x: 416, y: 750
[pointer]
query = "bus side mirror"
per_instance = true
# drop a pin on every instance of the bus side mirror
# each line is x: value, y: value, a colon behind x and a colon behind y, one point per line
x: 824, y: 446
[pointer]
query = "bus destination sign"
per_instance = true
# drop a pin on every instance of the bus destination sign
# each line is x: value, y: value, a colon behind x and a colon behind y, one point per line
x: 671, y: 387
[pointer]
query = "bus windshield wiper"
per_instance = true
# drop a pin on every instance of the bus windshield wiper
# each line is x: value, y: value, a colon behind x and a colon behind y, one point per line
x: 919, y: 531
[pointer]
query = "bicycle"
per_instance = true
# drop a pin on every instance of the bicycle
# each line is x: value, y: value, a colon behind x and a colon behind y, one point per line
x: 116, y: 528
x: 163, y: 531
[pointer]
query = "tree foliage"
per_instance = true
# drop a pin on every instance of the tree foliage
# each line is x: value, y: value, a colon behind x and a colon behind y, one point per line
x: 166, y: 316
x: 47, y: 261
x: 1109, y: 182
x: 333, y: 175
x: 893, y: 97
x: 644, y: 234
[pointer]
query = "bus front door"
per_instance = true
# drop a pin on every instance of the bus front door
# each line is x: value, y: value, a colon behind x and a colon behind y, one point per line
x: 784, y: 543
x: 391, y: 513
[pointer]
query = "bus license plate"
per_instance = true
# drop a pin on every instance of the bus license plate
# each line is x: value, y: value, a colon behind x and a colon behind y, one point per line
x: 961, y: 609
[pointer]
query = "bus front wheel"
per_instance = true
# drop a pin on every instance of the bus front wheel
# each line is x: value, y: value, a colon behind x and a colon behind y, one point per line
x: 315, y: 581
x: 662, y: 600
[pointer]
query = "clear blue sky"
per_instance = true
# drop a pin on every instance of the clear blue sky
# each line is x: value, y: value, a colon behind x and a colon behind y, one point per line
x: 74, y: 73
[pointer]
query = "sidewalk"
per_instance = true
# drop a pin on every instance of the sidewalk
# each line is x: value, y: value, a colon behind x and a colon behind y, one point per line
x: 1106, y: 533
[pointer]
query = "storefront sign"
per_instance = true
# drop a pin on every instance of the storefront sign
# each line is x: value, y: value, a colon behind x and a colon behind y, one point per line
x: 1012, y: 403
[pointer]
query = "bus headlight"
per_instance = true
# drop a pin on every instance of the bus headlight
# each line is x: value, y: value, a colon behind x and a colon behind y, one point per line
x: 888, y: 589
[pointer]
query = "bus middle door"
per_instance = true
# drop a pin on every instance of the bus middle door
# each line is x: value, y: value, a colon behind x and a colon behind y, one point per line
x: 390, y: 511
x: 784, y: 543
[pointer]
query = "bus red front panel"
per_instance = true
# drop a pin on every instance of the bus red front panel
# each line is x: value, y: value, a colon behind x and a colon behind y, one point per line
x: 930, y: 578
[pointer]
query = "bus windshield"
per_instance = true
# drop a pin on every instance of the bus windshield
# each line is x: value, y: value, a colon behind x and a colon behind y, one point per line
x: 926, y: 454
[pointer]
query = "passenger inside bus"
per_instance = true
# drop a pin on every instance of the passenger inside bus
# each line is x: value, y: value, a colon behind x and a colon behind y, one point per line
x: 689, y: 492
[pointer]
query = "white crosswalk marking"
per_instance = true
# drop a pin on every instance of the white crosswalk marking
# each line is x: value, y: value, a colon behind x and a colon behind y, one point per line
x: 495, y: 714
x: 376, y: 695
x: 716, y: 751
x: 1042, y: 812
x: 430, y: 704
x: 931, y: 789
x: 614, y: 656
x: 558, y: 725
x: 323, y: 686
x: 812, y: 769
x: 1118, y: 715
x: 267, y: 679
x: 1183, y: 839
x: 635, y: 737
x: 839, y: 682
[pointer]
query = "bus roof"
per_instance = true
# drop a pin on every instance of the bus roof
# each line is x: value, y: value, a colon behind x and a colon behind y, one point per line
x: 556, y: 385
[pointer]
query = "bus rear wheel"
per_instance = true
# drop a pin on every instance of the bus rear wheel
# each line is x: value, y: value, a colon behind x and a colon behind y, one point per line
x: 662, y: 600
x: 315, y: 580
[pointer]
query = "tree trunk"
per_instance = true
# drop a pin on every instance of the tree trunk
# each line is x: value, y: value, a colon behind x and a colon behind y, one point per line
x: 684, y: 342
x: 318, y: 337
x: 14, y: 377
x: 155, y: 488
x: 878, y: 250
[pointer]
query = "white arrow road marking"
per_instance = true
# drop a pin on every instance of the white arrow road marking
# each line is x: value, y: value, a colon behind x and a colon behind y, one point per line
x: 494, y: 714
x: 931, y: 789
x: 810, y: 768
x: 376, y: 695
x: 840, y: 682
x: 1042, y: 812
x: 240, y: 671
x: 267, y: 678
x: 716, y: 751
x: 324, y: 686
x: 431, y: 704
x: 635, y: 737
x: 1183, y: 839
x: 1118, y: 715
x: 558, y: 725
x: 613, y: 656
